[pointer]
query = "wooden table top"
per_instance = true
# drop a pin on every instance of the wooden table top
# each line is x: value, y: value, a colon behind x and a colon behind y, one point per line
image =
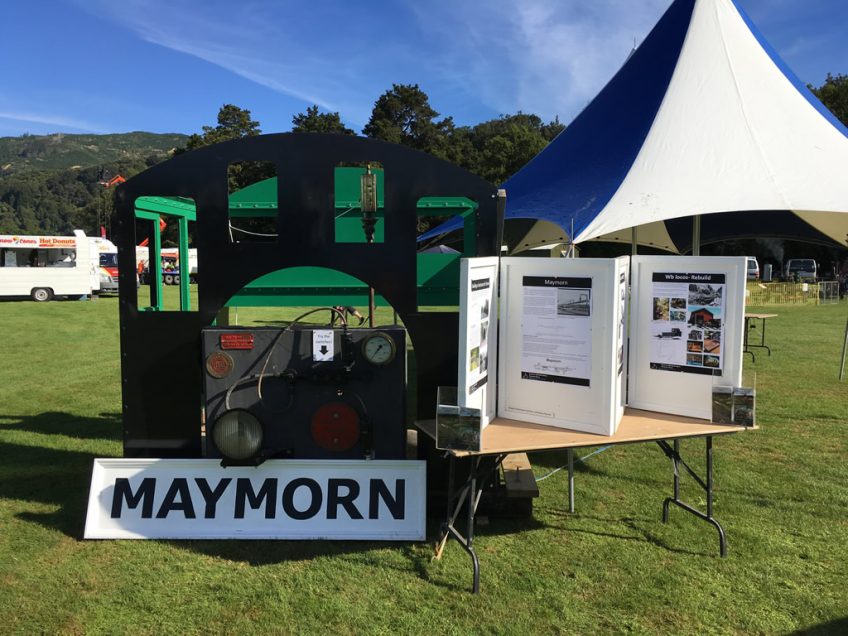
x: 514, y: 436
x: 762, y: 316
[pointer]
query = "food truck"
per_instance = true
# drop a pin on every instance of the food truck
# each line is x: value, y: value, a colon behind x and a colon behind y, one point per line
x: 43, y: 267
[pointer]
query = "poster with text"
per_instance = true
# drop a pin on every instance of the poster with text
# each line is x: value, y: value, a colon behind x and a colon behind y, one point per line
x: 687, y: 328
x: 477, y: 326
x: 557, y: 330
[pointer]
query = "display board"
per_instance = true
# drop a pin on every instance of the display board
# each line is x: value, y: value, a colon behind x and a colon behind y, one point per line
x: 687, y: 320
x: 478, y: 327
x: 562, y: 355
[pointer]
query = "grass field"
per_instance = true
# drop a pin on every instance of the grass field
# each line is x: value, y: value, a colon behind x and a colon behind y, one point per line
x: 781, y: 492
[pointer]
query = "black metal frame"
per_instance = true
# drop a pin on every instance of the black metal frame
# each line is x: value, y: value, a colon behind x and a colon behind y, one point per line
x: 468, y: 496
x: 160, y: 350
x: 673, y: 453
x: 747, y: 347
x: 468, y: 493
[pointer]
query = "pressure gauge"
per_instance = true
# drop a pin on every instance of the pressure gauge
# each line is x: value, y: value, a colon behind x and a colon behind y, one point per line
x: 378, y: 348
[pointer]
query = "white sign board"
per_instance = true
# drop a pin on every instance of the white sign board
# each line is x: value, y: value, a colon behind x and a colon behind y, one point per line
x: 280, y: 499
x: 322, y: 345
x: 561, y: 355
x: 478, y: 327
x: 687, y: 323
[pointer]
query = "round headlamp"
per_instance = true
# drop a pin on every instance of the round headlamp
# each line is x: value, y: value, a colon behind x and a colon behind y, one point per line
x: 237, y: 434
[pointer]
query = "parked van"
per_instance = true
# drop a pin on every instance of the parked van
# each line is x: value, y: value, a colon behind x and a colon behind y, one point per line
x: 104, y: 257
x: 42, y: 267
x: 753, y: 269
x: 803, y: 268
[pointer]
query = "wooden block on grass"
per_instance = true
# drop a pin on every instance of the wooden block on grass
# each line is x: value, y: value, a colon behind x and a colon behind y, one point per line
x: 519, y: 480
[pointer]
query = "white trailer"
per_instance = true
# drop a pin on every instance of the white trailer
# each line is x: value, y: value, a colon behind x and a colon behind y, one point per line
x: 42, y: 267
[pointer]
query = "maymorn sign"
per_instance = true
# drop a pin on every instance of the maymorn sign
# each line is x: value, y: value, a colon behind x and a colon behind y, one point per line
x: 280, y: 499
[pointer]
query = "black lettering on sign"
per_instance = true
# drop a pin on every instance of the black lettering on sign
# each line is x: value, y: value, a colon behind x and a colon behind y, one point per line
x: 210, y: 496
x: 144, y: 495
x: 396, y: 504
x: 314, y: 493
x: 179, y: 487
x: 477, y: 285
x: 334, y: 500
x: 245, y: 494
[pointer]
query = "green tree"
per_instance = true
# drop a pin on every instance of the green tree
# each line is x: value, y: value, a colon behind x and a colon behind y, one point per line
x: 233, y: 123
x: 834, y: 94
x: 498, y: 148
x: 314, y: 121
x: 403, y: 115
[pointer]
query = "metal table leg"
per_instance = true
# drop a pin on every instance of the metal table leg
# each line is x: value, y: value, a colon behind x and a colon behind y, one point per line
x: 570, y: 455
x: 677, y: 462
x: 466, y: 495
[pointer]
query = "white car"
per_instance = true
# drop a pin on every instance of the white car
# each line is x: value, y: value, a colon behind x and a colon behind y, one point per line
x: 753, y: 269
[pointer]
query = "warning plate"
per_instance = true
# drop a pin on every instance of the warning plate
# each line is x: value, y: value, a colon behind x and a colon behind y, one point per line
x: 322, y: 345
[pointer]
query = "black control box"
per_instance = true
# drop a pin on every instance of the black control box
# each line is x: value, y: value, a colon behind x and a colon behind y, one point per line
x: 304, y: 393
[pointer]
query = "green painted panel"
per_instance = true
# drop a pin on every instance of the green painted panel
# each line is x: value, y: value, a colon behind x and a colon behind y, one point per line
x: 170, y: 206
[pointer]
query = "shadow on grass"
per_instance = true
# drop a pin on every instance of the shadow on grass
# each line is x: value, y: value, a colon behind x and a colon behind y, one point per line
x: 61, y: 477
x: 105, y: 426
x: 640, y: 526
x: 838, y: 626
x: 48, y: 476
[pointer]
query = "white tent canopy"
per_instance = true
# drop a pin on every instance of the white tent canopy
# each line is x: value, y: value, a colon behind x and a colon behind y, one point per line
x: 703, y: 119
x: 733, y: 133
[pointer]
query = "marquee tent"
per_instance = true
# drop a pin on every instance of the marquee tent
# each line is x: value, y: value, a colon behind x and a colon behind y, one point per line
x: 703, y: 119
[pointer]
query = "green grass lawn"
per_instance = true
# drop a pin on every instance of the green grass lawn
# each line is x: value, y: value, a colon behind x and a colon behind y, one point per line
x: 781, y: 493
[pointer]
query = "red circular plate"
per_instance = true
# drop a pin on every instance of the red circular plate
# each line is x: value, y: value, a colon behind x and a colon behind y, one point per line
x: 335, y: 427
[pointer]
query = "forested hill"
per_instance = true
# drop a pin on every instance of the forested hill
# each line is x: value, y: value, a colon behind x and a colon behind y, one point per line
x: 51, y: 184
x: 62, y: 151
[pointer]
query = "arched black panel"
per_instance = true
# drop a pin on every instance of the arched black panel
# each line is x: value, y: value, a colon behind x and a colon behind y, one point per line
x: 160, y: 351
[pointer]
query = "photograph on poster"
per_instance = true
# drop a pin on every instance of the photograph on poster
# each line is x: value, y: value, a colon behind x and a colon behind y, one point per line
x: 661, y: 308
x: 695, y: 346
x: 708, y: 317
x: 557, y: 330
x: 477, y: 333
x: 695, y: 302
x: 712, y: 342
x: 573, y: 302
x: 711, y: 361
x: 705, y: 295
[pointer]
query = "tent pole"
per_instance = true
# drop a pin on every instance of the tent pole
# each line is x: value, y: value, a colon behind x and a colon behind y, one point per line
x: 696, y: 235
x: 633, y: 241
x: 844, y: 350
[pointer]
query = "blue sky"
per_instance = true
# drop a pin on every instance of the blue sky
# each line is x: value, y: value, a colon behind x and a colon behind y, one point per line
x: 168, y: 65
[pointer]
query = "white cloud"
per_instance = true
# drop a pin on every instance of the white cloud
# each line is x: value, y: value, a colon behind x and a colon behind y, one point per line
x: 541, y: 56
x: 51, y: 120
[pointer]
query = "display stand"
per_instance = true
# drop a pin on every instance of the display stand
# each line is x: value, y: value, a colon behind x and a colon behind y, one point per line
x: 504, y: 436
x: 562, y: 342
x: 478, y: 328
x: 686, y: 331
